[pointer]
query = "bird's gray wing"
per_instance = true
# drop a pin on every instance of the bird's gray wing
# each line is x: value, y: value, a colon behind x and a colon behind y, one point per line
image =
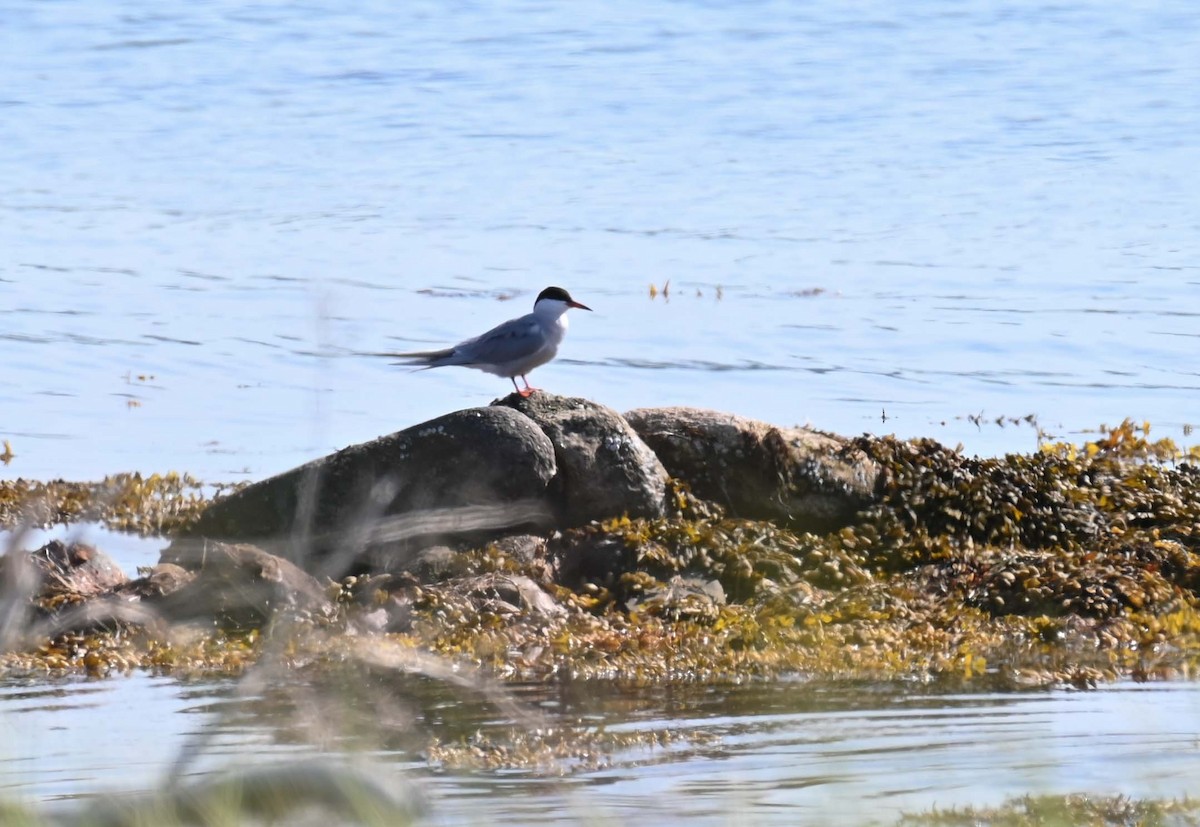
x: 508, y: 342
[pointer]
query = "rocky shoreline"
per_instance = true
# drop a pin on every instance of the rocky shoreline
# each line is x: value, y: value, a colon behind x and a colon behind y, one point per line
x: 549, y: 537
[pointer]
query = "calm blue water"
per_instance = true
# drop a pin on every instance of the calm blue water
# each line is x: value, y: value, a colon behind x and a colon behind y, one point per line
x: 210, y: 212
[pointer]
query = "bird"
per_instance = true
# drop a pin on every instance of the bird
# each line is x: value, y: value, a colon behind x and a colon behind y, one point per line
x: 511, y: 349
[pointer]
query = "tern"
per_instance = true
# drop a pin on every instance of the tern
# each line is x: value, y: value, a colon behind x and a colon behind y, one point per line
x: 513, y: 348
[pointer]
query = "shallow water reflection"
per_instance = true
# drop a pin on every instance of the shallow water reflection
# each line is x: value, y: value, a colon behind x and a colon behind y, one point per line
x: 778, y: 753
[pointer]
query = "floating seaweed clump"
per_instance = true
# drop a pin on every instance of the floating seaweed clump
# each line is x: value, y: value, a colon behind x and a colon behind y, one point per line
x: 154, y: 504
x: 1063, y: 811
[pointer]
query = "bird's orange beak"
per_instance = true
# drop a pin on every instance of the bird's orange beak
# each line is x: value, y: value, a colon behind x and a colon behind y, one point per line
x: 574, y: 303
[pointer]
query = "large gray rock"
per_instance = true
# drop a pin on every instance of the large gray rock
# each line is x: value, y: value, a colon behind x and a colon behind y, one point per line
x: 605, y: 469
x: 467, y: 474
x: 809, y: 480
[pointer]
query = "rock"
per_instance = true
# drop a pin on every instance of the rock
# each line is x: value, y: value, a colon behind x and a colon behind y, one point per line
x: 806, y: 479
x: 589, y: 559
x: 512, y: 594
x: 385, y: 601
x: 530, y: 553
x: 466, y: 475
x: 524, y: 548
x: 77, y: 568
x: 393, y: 615
x: 682, y: 598
x: 606, y: 470
x: 159, y: 581
x: 375, y: 621
x: 243, y: 586
x: 76, y: 588
x: 434, y: 563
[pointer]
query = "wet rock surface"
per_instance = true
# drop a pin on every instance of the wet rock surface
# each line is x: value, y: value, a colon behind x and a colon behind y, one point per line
x: 809, y: 480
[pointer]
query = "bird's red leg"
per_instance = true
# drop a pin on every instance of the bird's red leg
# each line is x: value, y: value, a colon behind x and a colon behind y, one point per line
x: 529, y: 389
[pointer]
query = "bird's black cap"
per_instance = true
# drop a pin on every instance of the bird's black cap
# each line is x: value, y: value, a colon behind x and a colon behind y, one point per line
x: 558, y: 294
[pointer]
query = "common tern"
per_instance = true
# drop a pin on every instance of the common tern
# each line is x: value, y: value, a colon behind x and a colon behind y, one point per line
x: 513, y: 348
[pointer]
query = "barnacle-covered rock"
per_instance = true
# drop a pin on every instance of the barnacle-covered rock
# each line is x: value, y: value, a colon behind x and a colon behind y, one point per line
x: 606, y: 469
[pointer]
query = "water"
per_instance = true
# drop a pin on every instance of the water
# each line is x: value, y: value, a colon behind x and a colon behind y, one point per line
x: 872, y: 218
x: 773, y: 754
x: 210, y: 213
